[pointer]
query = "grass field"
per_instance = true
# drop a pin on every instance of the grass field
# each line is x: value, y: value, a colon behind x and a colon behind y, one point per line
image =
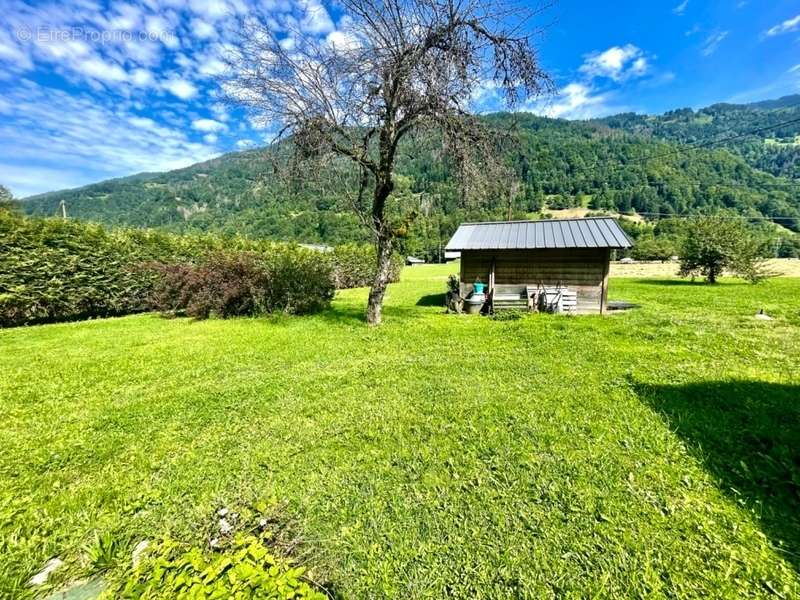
x: 653, y: 453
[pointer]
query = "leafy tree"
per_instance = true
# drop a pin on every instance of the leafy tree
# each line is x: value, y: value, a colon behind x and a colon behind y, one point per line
x: 398, y: 66
x: 650, y: 247
x: 715, y: 243
x: 7, y: 201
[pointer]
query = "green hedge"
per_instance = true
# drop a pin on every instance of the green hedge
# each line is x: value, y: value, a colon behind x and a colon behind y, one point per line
x: 354, y: 265
x: 55, y: 270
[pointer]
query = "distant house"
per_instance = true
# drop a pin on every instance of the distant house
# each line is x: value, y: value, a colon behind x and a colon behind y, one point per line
x: 523, y: 262
x: 413, y: 260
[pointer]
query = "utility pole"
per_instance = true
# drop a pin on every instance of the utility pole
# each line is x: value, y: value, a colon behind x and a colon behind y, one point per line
x: 63, y: 206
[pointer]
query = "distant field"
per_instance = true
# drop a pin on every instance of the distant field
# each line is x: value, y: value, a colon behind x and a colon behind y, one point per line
x: 786, y: 267
x: 581, y: 211
x: 653, y: 453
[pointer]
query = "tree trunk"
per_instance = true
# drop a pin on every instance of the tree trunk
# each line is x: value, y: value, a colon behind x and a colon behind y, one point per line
x: 378, y: 289
x: 383, y: 234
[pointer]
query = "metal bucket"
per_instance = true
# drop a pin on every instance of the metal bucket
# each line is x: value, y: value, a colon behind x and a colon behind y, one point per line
x: 475, y: 303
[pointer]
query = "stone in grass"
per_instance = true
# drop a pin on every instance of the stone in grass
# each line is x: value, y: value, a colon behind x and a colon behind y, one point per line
x: 225, y: 528
x: 762, y: 316
x: 80, y: 590
x: 41, y: 577
x: 138, y: 551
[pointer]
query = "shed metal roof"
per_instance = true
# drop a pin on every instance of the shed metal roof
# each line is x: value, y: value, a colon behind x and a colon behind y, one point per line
x: 591, y: 232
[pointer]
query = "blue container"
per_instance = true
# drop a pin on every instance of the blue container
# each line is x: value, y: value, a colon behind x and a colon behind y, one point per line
x: 478, y: 287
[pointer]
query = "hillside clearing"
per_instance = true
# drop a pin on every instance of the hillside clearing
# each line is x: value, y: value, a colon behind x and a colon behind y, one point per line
x: 651, y: 453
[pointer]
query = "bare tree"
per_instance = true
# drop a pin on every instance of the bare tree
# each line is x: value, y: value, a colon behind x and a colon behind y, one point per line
x: 393, y: 66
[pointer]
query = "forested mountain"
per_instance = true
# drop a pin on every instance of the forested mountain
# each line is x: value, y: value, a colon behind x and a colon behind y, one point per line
x: 626, y: 163
x: 775, y: 148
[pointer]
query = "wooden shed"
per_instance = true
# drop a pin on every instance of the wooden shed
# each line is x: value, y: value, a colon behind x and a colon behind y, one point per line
x: 522, y: 260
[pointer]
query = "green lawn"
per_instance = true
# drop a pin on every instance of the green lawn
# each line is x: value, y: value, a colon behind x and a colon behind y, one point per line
x: 654, y: 453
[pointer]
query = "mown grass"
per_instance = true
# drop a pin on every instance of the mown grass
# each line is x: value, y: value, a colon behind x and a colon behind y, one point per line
x: 654, y: 453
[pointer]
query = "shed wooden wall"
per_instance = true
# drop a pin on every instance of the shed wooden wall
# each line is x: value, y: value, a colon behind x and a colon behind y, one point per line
x: 582, y: 269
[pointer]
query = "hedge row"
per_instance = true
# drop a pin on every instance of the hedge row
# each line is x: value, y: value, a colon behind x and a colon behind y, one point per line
x: 55, y: 270
x: 354, y: 265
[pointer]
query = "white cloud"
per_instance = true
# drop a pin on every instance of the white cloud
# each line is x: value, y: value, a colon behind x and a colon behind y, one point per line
x: 181, y: 88
x: 97, y: 68
x: 182, y: 60
x: 97, y: 139
x: 342, y: 40
x: 141, y: 77
x: 34, y: 179
x: 142, y: 122
x: 208, y: 125
x: 210, y: 138
x: 485, y: 95
x: 316, y: 19
x: 681, y: 8
x: 10, y: 51
x: 617, y: 63
x: 126, y: 17
x: 203, y: 29
x: 712, y: 42
x: 212, y: 66
x: 243, y: 144
x: 220, y: 111
x: 575, y: 101
x: 795, y: 69
x: 211, y: 9
x: 788, y: 25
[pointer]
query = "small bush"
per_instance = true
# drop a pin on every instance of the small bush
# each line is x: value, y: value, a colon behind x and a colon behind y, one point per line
x: 298, y: 280
x: 286, y: 279
x: 103, y: 552
x: 246, y: 570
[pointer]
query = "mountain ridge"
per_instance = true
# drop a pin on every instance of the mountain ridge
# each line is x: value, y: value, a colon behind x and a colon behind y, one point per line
x: 623, y: 163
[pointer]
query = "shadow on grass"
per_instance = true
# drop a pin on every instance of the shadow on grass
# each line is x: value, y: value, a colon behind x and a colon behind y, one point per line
x: 674, y: 282
x: 747, y: 434
x: 432, y: 300
x: 350, y: 314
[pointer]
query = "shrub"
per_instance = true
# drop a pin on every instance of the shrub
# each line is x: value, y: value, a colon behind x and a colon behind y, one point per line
x: 248, y: 569
x: 650, y: 247
x: 298, y: 280
x: 354, y: 265
x: 286, y: 278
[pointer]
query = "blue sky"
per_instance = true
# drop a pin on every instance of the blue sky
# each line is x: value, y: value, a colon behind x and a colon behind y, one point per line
x: 91, y: 90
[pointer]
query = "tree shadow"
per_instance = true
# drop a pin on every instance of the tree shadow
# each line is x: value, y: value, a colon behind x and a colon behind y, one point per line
x: 352, y: 314
x: 674, y: 282
x: 747, y: 435
x: 347, y: 314
x: 432, y: 300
